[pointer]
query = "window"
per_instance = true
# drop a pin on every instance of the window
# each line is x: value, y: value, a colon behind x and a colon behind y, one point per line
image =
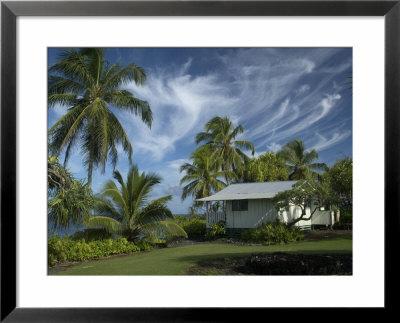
x: 239, y: 205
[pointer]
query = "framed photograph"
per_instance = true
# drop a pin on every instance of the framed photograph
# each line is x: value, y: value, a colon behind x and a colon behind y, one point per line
x: 284, y: 73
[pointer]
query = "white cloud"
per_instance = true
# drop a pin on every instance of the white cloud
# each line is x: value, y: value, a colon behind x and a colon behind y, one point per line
x: 177, y: 163
x: 181, y: 105
x: 324, y: 143
x: 329, y: 101
x: 251, y: 85
x: 274, y: 147
x: 303, y: 89
x: 308, y: 117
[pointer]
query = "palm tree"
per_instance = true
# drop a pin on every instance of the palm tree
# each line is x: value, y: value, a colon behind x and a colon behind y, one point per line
x: 126, y: 209
x: 300, y: 161
x: 202, y: 175
x: 69, y: 200
x: 89, y: 86
x: 220, y: 137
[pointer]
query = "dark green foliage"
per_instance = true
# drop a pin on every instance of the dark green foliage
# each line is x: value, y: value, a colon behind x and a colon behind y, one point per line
x: 272, y: 233
x: 145, y: 244
x: 125, y: 208
x: 69, y: 200
x: 195, y: 228
x: 346, y: 215
x: 181, y: 220
x: 58, y: 177
x: 220, y: 138
x: 203, y: 175
x: 216, y: 230
x: 91, y: 234
x: 62, y: 249
x: 266, y: 168
x: 340, y: 179
x: 300, y: 161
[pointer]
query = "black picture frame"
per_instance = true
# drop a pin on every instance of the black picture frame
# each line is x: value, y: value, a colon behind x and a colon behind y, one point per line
x: 10, y: 10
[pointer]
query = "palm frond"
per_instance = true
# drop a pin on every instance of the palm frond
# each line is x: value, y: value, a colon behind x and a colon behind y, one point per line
x: 109, y: 224
x: 168, y: 228
x: 130, y: 73
x: 61, y: 99
x: 73, y: 66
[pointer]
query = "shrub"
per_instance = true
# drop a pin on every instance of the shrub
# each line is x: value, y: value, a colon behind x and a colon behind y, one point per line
x: 181, y: 220
x: 145, y: 244
x: 62, y: 249
x: 346, y: 215
x: 272, y: 233
x: 216, y: 230
x: 91, y: 235
x: 195, y: 228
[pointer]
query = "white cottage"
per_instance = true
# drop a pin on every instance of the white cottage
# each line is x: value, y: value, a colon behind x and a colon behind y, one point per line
x: 247, y: 205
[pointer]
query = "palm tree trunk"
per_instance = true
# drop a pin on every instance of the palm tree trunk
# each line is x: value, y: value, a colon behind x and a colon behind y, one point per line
x: 228, y: 180
x: 90, y: 171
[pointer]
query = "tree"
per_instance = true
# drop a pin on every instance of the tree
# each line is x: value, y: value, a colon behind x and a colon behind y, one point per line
x: 89, y: 86
x: 340, y: 179
x: 202, y: 175
x: 219, y: 137
x: 69, y: 200
x: 266, y: 168
x: 301, y: 162
x: 304, y: 194
x: 126, y: 209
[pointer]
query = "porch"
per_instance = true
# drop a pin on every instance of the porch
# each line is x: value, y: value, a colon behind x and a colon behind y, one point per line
x: 215, y: 217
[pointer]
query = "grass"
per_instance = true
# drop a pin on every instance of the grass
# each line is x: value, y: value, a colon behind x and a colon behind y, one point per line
x: 176, y: 261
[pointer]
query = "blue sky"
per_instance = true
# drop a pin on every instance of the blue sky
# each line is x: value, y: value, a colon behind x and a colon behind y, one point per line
x: 276, y: 94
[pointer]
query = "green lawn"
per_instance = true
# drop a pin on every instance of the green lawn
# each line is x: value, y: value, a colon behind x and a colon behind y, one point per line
x: 175, y: 261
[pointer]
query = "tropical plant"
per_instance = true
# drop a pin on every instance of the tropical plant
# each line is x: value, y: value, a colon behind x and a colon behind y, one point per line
x: 266, y: 168
x: 58, y: 176
x: 126, y: 209
x: 69, y: 200
x: 202, y: 175
x: 216, y: 230
x: 272, y: 233
x: 195, y: 228
x: 340, y: 178
x: 301, y: 162
x: 219, y: 137
x: 89, y: 86
x: 62, y: 249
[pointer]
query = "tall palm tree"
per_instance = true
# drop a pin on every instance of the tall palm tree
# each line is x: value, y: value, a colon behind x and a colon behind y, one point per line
x: 300, y: 161
x: 85, y: 82
x: 219, y: 137
x: 202, y: 175
x: 126, y: 209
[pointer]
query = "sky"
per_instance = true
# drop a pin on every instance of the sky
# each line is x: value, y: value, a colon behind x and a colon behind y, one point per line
x: 276, y: 94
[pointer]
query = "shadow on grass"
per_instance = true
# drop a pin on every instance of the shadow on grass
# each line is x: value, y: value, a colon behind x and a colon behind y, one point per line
x: 200, y: 258
x: 298, y: 262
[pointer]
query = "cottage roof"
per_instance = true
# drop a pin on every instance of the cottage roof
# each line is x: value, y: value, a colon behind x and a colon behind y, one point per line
x: 249, y: 191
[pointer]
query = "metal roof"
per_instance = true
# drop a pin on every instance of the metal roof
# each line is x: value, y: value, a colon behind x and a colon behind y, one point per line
x: 249, y: 191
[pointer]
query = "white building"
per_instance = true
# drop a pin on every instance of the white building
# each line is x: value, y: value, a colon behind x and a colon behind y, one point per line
x: 247, y: 205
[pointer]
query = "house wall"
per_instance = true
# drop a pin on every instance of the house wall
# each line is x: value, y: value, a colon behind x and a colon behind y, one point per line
x: 318, y: 218
x: 259, y: 211
x: 323, y: 217
x: 263, y: 210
